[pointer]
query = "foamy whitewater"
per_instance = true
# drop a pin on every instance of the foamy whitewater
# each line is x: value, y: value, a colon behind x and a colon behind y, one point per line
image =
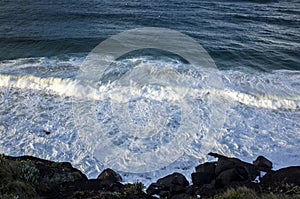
x: 139, y: 125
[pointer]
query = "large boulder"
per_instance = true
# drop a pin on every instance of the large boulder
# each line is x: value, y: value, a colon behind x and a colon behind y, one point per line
x: 202, y: 178
x: 204, y: 174
x: 207, y: 167
x: 225, y: 178
x: 225, y: 163
x: 289, y: 175
x: 109, y: 176
x: 206, y: 191
x: 282, y: 181
x: 169, y: 186
x: 263, y: 163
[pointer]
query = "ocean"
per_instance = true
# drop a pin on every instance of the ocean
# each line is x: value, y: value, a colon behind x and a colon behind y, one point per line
x: 152, y: 113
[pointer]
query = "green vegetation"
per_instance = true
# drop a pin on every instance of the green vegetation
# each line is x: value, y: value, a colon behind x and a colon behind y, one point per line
x: 245, y: 193
x: 28, y: 172
x: 240, y: 193
x: 76, y: 175
x: 57, y: 165
x: 134, y: 189
x: 17, y: 179
x: 285, y: 188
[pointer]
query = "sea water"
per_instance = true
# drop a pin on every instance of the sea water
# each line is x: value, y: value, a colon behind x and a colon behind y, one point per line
x: 145, y: 129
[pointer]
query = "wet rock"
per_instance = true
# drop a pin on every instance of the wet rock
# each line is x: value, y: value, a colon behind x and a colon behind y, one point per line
x: 201, y: 178
x: 181, y: 196
x: 207, y: 190
x: 67, y: 189
x: 225, y: 163
x: 153, y: 189
x: 228, y: 176
x: 46, y: 132
x: 283, y: 181
x: 289, y: 175
x: 263, y: 163
x: 207, y: 167
x: 191, y: 190
x: 173, y: 179
x: 168, y: 186
x: 109, y: 176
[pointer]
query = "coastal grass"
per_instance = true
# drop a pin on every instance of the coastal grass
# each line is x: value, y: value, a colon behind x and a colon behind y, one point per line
x: 246, y: 193
x: 17, y: 179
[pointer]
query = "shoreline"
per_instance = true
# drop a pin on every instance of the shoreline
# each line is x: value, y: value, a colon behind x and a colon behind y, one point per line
x: 32, y: 177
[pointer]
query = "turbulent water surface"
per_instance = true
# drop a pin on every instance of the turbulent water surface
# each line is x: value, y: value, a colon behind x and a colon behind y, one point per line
x: 153, y: 113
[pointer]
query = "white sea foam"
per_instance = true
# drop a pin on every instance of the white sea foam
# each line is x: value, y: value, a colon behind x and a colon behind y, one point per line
x: 261, y: 110
x: 73, y: 88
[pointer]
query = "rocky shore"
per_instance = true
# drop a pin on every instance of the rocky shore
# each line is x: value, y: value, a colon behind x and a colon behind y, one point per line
x: 227, y: 177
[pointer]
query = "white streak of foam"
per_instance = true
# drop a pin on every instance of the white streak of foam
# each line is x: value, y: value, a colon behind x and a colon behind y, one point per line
x: 268, y: 101
x: 63, y: 87
x: 86, y: 90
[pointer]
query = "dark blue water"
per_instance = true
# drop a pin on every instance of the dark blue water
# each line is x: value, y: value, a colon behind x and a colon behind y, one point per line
x: 263, y: 35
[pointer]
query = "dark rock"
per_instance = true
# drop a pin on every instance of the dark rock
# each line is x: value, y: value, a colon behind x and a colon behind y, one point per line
x: 207, y: 167
x: 181, y: 196
x: 283, y: 181
x: 252, y: 171
x: 191, y: 190
x: 168, y: 186
x: 177, y: 189
x: 31, y: 177
x: 153, y: 189
x: 109, y: 176
x: 231, y: 175
x: 95, y: 186
x: 173, y: 179
x: 165, y: 194
x: 289, y: 175
x: 201, y: 178
x: 225, y: 163
x: 263, y: 163
x: 207, y: 190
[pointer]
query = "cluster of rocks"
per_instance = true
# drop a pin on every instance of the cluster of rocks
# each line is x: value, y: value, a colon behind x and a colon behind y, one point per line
x: 30, y: 177
x: 212, y: 177
x: 47, y: 179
